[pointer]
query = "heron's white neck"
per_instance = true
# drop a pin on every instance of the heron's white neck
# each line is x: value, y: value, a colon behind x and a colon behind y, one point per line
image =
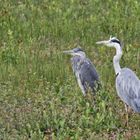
x: 116, y: 58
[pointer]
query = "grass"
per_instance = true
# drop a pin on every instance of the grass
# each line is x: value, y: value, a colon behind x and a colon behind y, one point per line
x: 39, y: 96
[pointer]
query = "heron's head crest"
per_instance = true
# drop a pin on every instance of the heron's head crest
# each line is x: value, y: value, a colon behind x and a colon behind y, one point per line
x: 114, y: 40
x: 78, y: 49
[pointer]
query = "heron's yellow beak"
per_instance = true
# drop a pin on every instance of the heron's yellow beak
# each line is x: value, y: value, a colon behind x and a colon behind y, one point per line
x: 105, y: 42
x: 68, y: 52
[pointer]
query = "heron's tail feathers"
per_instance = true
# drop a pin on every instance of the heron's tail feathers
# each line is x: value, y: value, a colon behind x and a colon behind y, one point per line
x: 137, y: 105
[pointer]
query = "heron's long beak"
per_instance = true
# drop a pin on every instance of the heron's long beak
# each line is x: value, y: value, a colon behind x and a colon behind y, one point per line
x: 68, y: 52
x: 105, y: 42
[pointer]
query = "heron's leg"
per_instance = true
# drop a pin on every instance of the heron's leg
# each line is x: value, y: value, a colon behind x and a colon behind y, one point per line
x: 94, y: 101
x: 127, y: 114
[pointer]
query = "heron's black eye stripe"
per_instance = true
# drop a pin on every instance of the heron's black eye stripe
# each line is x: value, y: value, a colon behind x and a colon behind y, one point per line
x: 116, y: 41
x: 78, y: 49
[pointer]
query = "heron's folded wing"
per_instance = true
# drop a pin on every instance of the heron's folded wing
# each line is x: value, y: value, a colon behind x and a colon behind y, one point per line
x: 88, y: 73
x: 128, y: 86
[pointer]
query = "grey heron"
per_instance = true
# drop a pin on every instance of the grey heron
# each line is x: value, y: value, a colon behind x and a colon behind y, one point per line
x: 127, y: 83
x: 84, y: 70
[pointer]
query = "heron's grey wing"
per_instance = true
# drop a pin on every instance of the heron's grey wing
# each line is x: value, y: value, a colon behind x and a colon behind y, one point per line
x: 128, y: 88
x: 88, y: 74
x: 75, y: 61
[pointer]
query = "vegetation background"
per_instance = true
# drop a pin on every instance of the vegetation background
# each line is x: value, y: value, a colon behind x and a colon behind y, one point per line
x: 39, y: 95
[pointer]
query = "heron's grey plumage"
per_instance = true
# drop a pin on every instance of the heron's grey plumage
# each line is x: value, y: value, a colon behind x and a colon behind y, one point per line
x: 84, y: 71
x: 127, y: 83
x: 128, y: 88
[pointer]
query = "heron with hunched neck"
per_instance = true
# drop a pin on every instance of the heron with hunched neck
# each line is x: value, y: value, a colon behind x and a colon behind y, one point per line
x: 84, y: 70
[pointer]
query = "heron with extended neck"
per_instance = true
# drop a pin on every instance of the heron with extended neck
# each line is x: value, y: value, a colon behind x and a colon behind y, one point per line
x: 127, y: 83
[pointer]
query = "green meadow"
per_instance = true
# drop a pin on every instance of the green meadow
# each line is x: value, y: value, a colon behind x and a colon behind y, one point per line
x: 39, y: 95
